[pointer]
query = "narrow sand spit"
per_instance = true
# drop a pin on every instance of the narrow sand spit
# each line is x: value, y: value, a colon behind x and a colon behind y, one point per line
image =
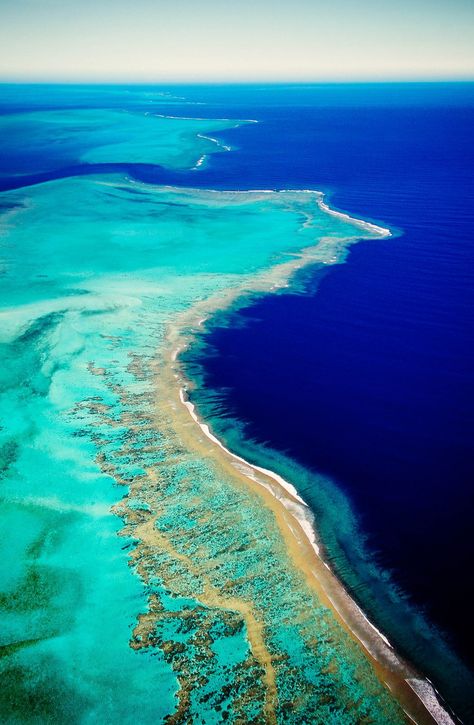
x: 414, y: 692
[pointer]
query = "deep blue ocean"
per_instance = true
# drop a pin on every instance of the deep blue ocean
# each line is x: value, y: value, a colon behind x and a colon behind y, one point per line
x: 363, y: 372
x: 368, y: 375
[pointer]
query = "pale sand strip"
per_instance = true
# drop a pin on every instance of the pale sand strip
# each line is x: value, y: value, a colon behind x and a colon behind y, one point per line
x: 298, y: 532
x: 414, y: 692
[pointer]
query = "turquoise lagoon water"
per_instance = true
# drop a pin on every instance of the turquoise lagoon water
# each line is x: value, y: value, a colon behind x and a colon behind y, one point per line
x: 94, y: 136
x: 149, y: 624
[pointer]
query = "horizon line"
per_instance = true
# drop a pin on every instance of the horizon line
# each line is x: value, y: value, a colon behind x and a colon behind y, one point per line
x: 234, y: 81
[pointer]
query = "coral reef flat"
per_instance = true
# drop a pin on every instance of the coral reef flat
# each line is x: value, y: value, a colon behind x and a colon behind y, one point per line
x: 143, y: 566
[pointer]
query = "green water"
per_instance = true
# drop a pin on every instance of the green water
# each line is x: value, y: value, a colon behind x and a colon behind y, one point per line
x: 93, y: 271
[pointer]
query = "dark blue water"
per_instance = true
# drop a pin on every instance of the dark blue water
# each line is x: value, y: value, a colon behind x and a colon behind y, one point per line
x: 367, y: 376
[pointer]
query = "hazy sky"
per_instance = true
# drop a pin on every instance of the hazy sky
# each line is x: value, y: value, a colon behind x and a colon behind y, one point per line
x: 235, y: 40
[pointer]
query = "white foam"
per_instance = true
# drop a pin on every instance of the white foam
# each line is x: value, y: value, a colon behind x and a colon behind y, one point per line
x: 176, y: 353
x: 298, y: 508
x: 199, y: 162
x: 214, y: 140
x: 206, y: 430
x: 197, y: 118
x: 427, y: 694
x: 319, y: 195
x: 218, y: 143
x: 361, y: 223
x: 382, y: 231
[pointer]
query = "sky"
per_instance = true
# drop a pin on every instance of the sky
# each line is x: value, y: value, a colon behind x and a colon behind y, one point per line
x: 236, y: 40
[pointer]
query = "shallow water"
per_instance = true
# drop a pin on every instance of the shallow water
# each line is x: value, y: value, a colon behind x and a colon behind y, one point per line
x: 365, y: 381
x: 194, y: 609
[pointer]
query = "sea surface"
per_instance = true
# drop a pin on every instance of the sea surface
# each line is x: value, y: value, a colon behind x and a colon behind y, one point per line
x: 134, y: 575
x: 365, y: 373
x: 140, y: 572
